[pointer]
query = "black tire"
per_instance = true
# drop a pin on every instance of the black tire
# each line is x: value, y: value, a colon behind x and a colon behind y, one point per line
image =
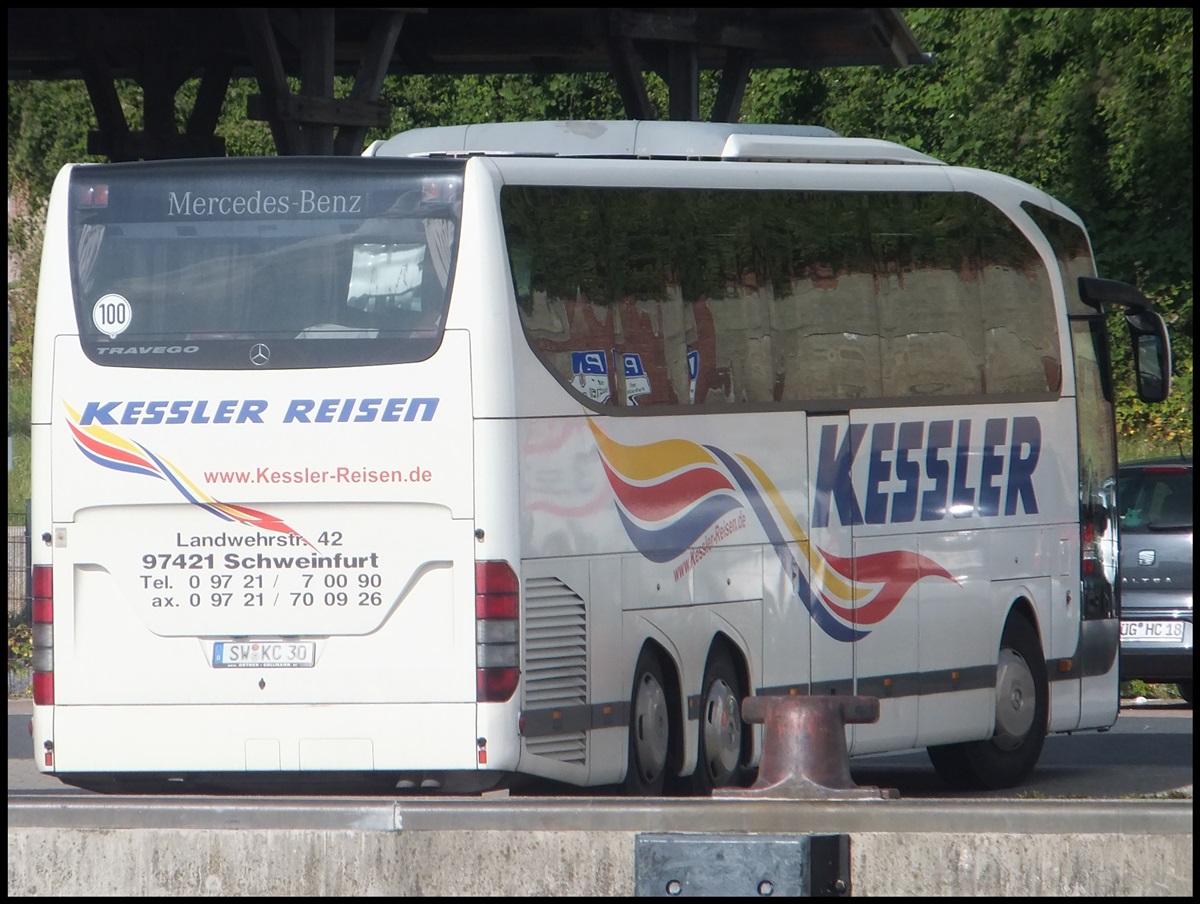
x: 649, y: 730
x: 1011, y: 753
x: 724, y: 742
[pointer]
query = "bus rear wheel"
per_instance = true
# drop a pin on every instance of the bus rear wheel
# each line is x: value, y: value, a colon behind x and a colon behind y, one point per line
x: 724, y: 742
x: 1022, y: 707
x: 649, y: 730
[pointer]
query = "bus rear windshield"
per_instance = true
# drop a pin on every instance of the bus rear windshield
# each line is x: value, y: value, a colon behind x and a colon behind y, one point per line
x: 263, y: 263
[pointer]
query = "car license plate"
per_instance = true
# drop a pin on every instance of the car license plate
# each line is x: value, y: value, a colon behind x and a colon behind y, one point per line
x: 1156, y: 631
x: 259, y: 654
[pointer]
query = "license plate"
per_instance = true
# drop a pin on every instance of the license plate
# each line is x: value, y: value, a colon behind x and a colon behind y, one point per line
x: 1157, y: 631
x: 258, y: 654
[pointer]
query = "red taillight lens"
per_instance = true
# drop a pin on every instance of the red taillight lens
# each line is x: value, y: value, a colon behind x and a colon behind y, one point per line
x: 496, y: 685
x: 43, y: 688
x: 43, y: 611
x: 496, y: 593
x: 41, y: 582
x: 497, y: 604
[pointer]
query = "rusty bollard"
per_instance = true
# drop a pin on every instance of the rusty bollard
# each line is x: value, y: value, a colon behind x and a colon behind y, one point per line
x: 804, y: 755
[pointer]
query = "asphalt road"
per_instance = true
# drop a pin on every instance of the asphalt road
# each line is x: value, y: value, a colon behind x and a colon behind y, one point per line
x: 1148, y: 753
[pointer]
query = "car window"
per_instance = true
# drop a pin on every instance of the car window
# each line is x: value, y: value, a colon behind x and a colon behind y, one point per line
x: 1158, y: 498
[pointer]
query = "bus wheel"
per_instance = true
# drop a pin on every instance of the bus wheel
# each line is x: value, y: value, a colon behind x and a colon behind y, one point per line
x: 724, y: 741
x: 649, y: 730
x: 1022, y: 707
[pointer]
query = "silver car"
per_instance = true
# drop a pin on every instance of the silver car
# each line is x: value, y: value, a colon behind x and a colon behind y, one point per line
x: 1155, y: 502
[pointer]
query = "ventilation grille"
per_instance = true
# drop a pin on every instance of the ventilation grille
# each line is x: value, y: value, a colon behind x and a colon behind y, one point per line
x: 555, y: 662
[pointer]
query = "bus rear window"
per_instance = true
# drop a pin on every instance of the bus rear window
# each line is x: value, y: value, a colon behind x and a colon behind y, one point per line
x: 277, y: 263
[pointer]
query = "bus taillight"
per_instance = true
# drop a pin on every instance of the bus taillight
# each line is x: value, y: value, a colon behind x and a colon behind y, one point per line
x: 42, y: 583
x: 496, y: 633
x: 1087, y: 549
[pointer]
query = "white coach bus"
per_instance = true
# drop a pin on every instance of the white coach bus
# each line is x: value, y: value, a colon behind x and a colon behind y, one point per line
x: 531, y: 450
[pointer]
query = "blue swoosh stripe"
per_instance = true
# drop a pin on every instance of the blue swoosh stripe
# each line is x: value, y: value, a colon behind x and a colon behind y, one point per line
x: 667, y: 543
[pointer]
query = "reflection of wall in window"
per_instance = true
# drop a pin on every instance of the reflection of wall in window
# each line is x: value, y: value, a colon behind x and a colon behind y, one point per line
x: 829, y: 338
x: 754, y: 375
x: 932, y: 333
x: 653, y: 329
x: 1020, y: 339
x: 740, y: 324
x: 711, y: 384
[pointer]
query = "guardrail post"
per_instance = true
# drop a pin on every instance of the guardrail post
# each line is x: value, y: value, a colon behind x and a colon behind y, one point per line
x: 804, y: 754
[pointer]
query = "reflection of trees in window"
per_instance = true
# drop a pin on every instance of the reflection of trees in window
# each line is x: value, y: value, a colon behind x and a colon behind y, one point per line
x: 786, y: 296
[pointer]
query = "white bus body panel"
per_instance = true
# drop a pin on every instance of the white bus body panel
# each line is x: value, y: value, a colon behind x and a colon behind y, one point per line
x: 947, y: 622
x: 567, y: 504
x: 597, y: 138
x: 148, y: 578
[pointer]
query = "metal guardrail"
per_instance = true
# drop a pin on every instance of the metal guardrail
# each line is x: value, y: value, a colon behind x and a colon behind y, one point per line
x: 19, y: 600
x: 18, y: 567
x: 498, y: 813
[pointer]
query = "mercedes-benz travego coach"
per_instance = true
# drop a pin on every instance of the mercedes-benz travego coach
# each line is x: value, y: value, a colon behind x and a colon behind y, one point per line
x: 534, y: 449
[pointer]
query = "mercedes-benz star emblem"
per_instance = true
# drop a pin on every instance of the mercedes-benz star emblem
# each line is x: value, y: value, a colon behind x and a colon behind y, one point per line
x: 259, y: 354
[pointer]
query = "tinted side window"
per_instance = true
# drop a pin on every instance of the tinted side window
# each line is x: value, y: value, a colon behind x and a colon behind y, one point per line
x: 644, y: 297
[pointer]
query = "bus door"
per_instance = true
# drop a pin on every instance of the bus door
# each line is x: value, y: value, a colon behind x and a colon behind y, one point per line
x: 868, y: 621
x: 830, y: 554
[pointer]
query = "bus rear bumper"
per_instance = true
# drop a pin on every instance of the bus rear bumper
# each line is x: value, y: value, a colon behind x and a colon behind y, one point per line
x: 283, y: 739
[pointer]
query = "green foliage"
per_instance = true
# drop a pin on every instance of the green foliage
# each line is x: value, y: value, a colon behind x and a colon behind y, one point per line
x: 1165, y: 424
x: 1138, y: 688
x: 422, y: 101
x: 48, y: 124
x: 243, y: 137
x: 20, y: 656
x: 21, y: 297
x: 18, y: 477
x: 20, y: 642
x: 18, y: 430
x: 19, y: 405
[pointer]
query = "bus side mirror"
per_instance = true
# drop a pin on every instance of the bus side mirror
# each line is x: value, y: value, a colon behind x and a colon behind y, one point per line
x: 1151, y: 354
x: 1147, y: 333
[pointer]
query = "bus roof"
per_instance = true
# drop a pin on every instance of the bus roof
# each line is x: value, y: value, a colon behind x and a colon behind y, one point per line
x: 646, y: 139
